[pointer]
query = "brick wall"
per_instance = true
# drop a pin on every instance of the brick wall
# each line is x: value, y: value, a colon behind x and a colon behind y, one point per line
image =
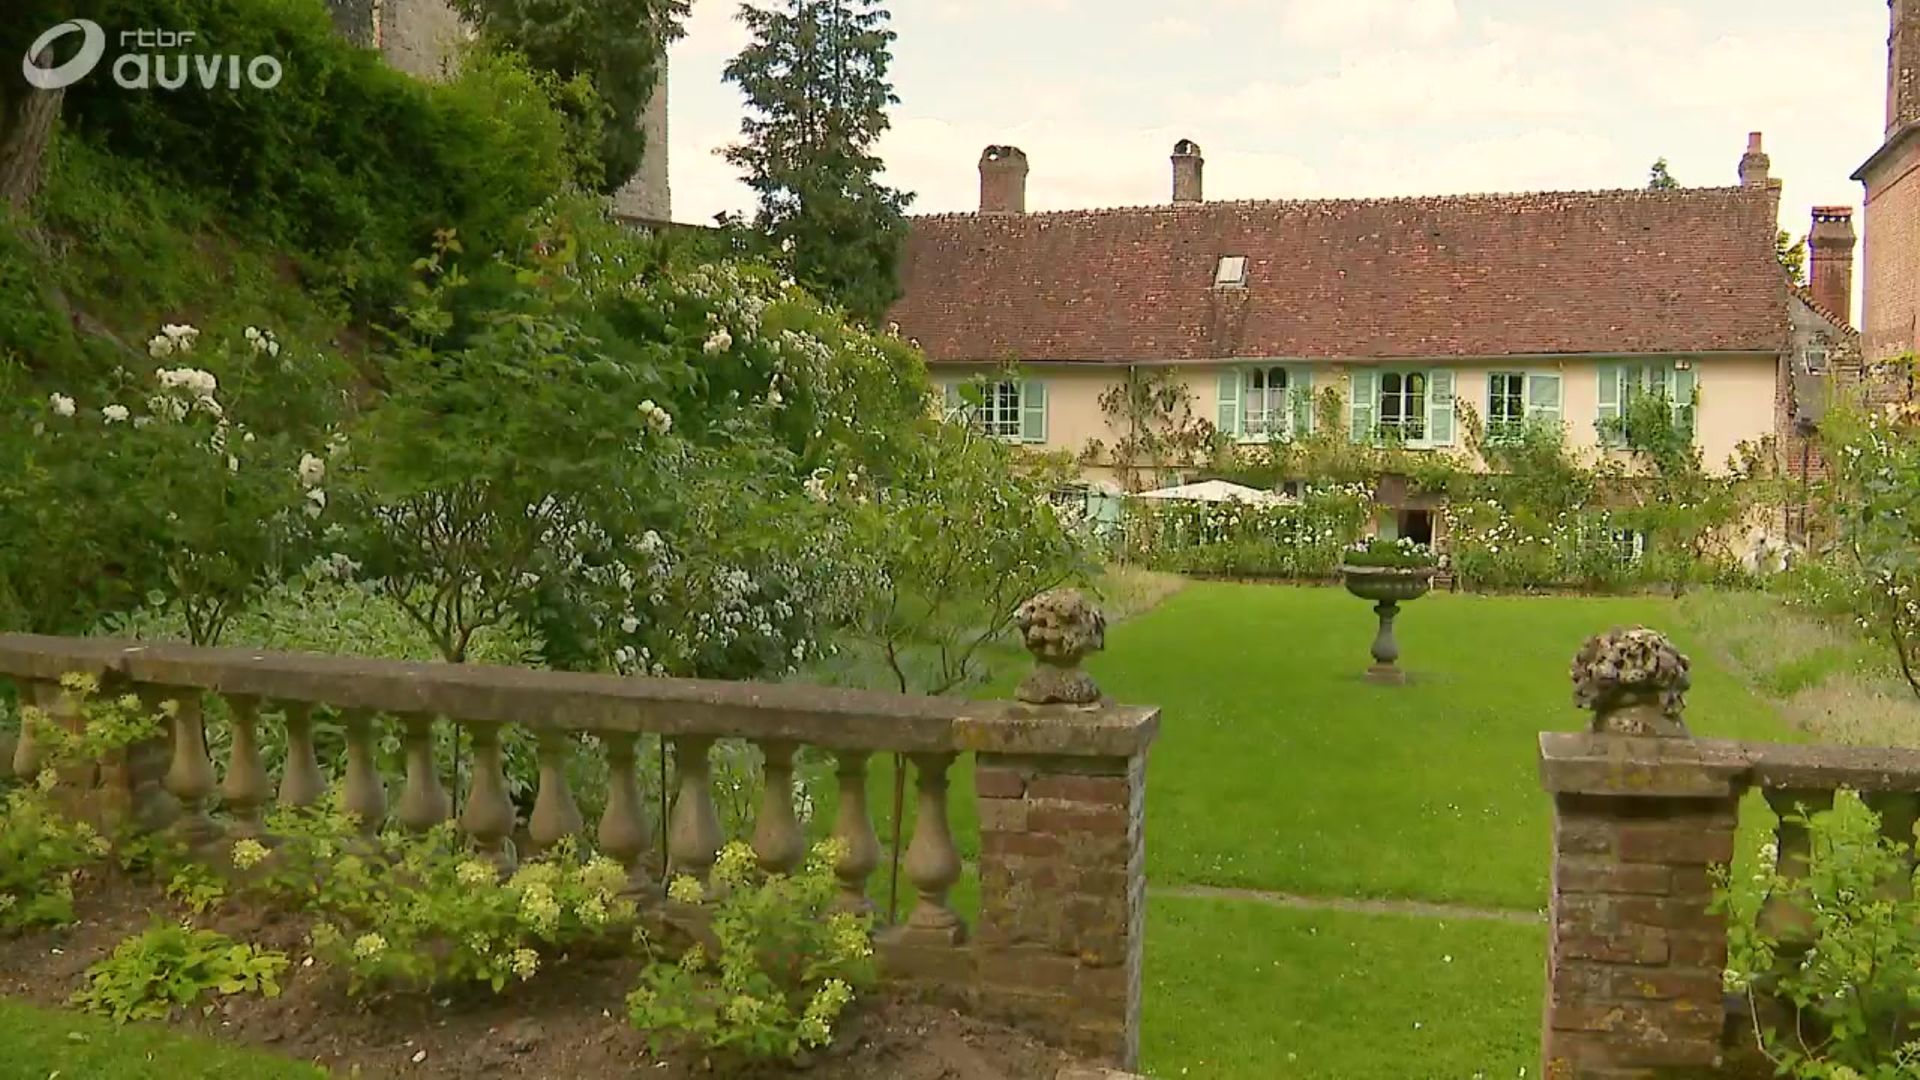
x: 1892, y: 251
x: 1063, y: 897
x: 1635, y: 959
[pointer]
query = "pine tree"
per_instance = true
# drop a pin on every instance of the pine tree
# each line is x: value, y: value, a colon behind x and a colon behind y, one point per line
x: 815, y: 78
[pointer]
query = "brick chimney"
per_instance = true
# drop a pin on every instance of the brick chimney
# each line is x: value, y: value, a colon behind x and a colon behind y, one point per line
x: 1830, y: 259
x: 1003, y: 180
x: 1903, y: 65
x: 1754, y: 163
x: 1187, y: 166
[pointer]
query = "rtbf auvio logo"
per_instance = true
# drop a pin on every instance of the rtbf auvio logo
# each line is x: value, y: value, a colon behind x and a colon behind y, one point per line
x: 144, y: 63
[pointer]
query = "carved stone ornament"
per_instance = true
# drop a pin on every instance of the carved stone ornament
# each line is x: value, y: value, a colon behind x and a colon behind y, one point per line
x: 1635, y: 682
x: 1059, y: 628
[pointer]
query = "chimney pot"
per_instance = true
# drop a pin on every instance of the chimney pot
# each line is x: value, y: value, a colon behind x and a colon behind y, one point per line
x: 1830, y: 246
x: 1003, y: 180
x: 1187, y: 168
x: 1755, y: 163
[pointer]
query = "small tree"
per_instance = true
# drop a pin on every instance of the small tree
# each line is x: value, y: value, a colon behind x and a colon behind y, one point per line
x: 1153, y: 413
x: 617, y: 44
x: 1792, y: 255
x: 1659, y: 179
x: 815, y: 78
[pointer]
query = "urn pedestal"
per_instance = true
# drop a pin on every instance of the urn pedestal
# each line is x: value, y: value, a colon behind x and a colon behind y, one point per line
x: 1388, y: 587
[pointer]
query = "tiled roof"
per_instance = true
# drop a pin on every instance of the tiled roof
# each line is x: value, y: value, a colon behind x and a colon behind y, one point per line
x: 1468, y: 276
x: 1838, y: 322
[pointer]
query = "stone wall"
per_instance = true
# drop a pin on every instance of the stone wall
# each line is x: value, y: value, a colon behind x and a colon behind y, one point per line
x: 423, y: 38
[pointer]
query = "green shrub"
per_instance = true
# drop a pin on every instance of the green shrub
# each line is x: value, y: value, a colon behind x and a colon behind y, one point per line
x: 347, y: 159
x: 1855, y: 983
x: 41, y: 850
x: 420, y: 913
x: 787, y: 963
x: 171, y: 966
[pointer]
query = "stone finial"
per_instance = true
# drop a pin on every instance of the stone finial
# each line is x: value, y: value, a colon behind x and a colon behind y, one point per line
x: 1635, y: 682
x: 1059, y: 628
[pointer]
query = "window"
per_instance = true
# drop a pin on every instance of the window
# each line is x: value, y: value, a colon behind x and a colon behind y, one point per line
x: 1268, y: 402
x: 1269, y: 411
x: 1506, y: 405
x: 1621, y: 383
x: 1000, y: 411
x: 1403, y: 404
x: 1011, y: 409
x: 1231, y: 273
x: 1815, y: 359
x: 1413, y: 407
x: 1515, y: 399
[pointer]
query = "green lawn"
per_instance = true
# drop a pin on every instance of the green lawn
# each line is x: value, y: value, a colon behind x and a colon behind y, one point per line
x: 1279, y: 768
x: 1243, y: 989
x: 43, y: 1042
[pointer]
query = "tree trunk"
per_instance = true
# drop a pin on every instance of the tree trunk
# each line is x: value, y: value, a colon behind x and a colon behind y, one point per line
x: 26, y: 126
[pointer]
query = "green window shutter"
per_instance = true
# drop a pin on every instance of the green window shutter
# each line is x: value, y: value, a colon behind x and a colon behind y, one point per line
x: 1681, y: 389
x: 1033, y: 411
x: 1611, y: 377
x: 1439, y: 408
x: 1543, y: 398
x: 1229, y: 418
x: 1363, y: 405
x: 1302, y: 395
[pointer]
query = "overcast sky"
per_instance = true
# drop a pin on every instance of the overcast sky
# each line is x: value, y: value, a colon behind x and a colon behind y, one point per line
x: 1304, y: 98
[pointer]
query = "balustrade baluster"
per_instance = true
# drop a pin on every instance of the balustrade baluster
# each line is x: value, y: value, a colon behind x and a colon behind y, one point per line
x: 365, y: 793
x: 933, y: 865
x: 247, y: 786
x: 853, y: 827
x: 424, y: 802
x: 693, y: 842
x: 488, y: 816
x: 1779, y: 917
x: 624, y: 831
x: 27, y: 754
x: 190, y: 776
x: 777, y: 840
x: 555, y: 814
x: 301, y: 781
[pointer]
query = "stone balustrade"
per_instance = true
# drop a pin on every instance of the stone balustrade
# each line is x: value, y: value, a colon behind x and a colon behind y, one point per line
x: 1060, y: 778
x: 1643, y: 814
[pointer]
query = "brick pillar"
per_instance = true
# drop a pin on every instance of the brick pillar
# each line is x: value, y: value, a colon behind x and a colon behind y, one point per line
x: 1063, y: 897
x: 1641, y: 815
x: 1061, y: 780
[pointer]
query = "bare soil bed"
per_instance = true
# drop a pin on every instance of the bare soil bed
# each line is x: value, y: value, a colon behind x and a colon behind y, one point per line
x: 568, y: 1021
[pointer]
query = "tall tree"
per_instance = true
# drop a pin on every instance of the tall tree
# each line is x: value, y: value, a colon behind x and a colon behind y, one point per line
x: 1659, y: 179
x: 1792, y: 255
x: 27, y: 115
x: 817, y: 92
x: 617, y: 44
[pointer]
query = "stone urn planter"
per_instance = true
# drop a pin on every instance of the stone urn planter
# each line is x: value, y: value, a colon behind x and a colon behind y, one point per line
x: 1388, y: 587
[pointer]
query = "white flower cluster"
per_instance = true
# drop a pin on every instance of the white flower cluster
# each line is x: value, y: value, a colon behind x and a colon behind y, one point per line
x: 656, y: 417
x: 61, y: 404
x: 174, y: 338
x: 262, y: 341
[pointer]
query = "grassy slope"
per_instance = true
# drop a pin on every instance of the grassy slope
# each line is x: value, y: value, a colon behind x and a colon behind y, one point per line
x: 41, y: 1043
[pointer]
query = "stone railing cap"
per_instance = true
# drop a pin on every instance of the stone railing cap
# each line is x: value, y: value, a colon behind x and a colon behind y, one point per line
x: 827, y: 717
x: 1590, y: 763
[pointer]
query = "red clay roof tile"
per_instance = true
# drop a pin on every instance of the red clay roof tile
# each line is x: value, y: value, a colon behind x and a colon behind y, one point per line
x: 1485, y: 275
